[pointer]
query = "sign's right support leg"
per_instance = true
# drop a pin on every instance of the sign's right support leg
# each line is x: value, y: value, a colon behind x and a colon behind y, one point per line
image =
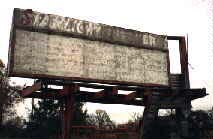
x: 149, y: 118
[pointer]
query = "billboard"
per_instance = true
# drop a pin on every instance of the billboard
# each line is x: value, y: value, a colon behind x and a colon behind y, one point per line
x: 55, y: 47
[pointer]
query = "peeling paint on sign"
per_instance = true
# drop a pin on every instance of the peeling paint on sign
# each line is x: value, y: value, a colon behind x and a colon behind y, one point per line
x: 54, y: 46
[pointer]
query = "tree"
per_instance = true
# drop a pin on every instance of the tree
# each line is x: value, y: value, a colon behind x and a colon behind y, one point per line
x: 10, y: 123
x: 135, y: 118
x: 13, y: 128
x: 45, y: 122
x: 80, y: 115
x: 136, y: 121
x: 201, y: 121
x: 8, y: 96
x: 100, y: 119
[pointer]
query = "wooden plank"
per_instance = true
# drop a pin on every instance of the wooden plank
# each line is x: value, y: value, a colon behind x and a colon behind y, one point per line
x: 69, y: 90
x: 130, y: 96
x: 84, y: 96
x: 99, y: 95
x: 111, y: 91
x: 45, y: 95
x: 117, y: 99
x: 29, y: 90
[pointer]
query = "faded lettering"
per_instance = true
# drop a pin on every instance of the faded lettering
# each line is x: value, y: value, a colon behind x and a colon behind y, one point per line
x: 55, y: 55
x: 89, y: 30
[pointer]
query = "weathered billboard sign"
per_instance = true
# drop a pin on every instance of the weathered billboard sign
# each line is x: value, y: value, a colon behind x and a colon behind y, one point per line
x: 45, y: 45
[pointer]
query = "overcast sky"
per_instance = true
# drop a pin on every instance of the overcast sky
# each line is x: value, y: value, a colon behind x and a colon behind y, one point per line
x: 167, y: 17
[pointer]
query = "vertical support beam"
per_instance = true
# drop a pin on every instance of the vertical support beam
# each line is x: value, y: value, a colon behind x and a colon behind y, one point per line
x: 68, y: 111
x: 149, y: 116
x: 184, y: 61
x: 182, y: 117
x: 185, y: 112
x: 33, y: 106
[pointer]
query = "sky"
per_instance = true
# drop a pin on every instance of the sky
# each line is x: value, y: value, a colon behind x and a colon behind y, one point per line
x: 166, y: 17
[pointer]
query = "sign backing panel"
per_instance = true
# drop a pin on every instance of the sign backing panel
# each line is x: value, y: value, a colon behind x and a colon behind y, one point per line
x: 44, y: 45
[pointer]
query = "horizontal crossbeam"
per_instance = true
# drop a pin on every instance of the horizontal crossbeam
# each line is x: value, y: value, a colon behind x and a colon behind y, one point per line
x: 109, y: 94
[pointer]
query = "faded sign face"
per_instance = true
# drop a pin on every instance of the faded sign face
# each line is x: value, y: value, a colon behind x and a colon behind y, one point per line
x: 44, y: 45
